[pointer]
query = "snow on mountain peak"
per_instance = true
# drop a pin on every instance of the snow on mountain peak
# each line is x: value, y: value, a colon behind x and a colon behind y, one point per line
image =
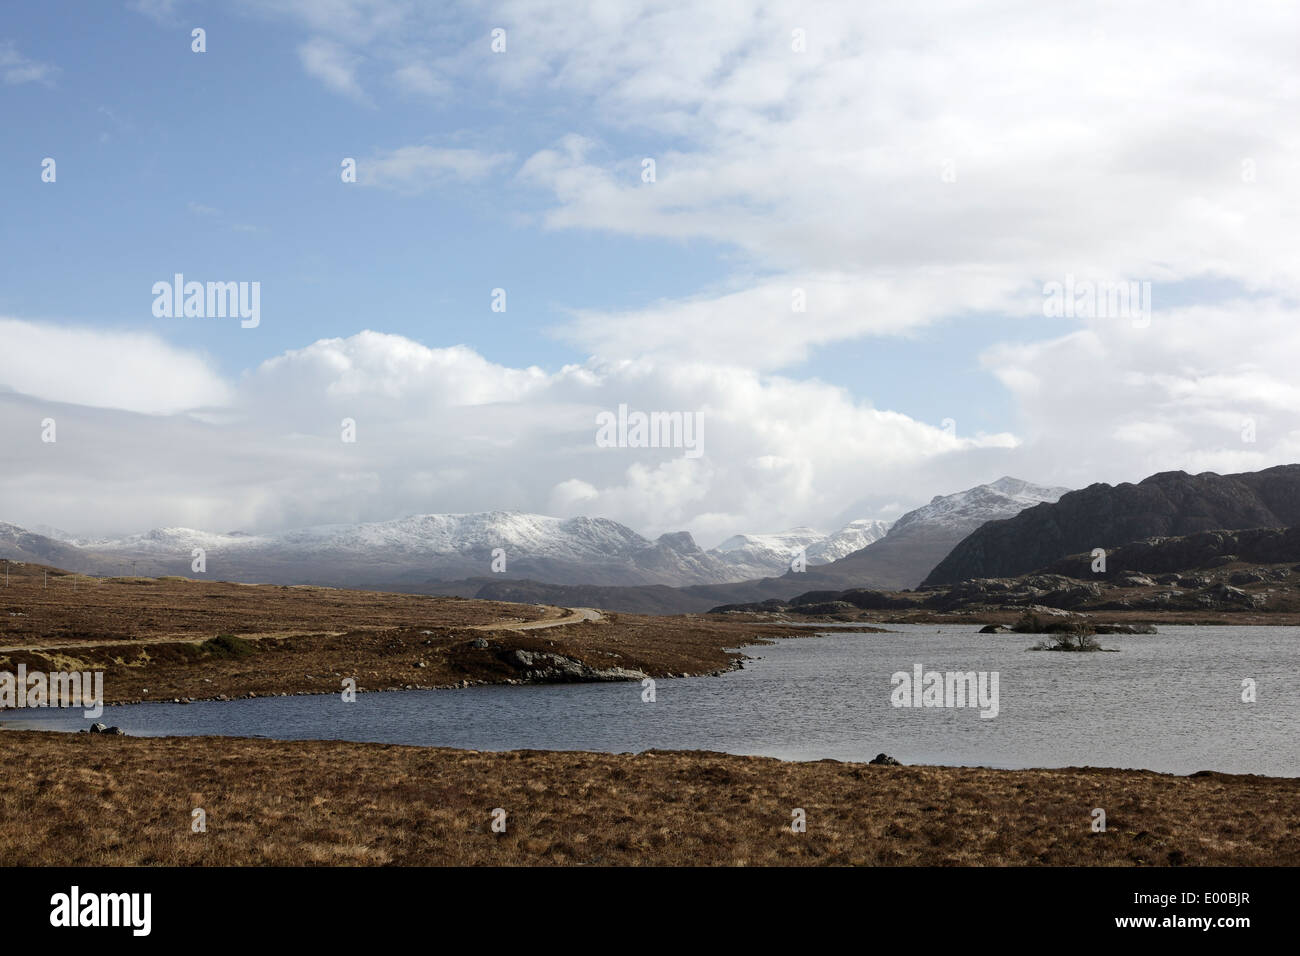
x: 999, y: 499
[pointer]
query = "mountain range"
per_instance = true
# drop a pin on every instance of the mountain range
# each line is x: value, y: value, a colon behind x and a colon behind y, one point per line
x: 978, y: 538
x: 901, y: 559
x: 458, y: 553
x: 407, y: 553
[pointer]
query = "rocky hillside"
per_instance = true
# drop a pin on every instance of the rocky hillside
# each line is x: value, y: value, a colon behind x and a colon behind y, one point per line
x: 19, y: 544
x: 1104, y: 516
x: 1226, y: 592
x: 1190, y: 553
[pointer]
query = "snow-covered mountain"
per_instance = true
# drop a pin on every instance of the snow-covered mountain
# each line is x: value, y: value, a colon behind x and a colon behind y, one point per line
x: 854, y: 536
x: 914, y: 544
x: 412, y: 552
x: 922, y: 538
x: 967, y: 510
x: 408, y: 552
x: 420, y: 552
x: 760, y: 555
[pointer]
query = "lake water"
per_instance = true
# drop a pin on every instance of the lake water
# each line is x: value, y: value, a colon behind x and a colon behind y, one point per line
x: 1169, y: 702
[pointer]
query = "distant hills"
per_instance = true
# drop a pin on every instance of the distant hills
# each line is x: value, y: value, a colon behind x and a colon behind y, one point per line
x: 1167, y: 504
x: 770, y: 553
x: 1006, y: 529
x: 418, y: 552
x: 912, y: 546
x: 583, y: 560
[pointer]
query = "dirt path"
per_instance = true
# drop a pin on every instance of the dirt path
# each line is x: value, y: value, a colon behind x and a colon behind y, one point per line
x: 573, y: 616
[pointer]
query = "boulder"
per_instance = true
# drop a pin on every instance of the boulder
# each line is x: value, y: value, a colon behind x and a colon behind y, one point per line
x: 546, y: 668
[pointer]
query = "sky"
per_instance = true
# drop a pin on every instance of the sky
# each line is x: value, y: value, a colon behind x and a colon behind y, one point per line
x: 843, y: 264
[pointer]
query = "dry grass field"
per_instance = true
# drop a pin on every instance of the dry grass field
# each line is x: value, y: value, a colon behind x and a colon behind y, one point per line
x: 154, y: 637
x: 88, y: 799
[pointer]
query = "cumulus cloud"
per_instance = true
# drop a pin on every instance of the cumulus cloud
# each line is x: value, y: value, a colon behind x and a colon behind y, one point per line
x: 869, y: 170
x: 1202, y: 388
x: 442, y: 429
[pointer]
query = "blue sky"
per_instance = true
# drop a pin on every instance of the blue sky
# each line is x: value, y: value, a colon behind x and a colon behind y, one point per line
x: 920, y: 174
x: 226, y: 164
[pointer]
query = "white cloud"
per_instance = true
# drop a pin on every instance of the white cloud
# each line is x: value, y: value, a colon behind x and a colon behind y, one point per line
x: 443, y: 429
x: 333, y: 65
x: 437, y: 429
x: 1100, y: 140
x: 1080, y: 141
x: 105, y: 369
x: 419, y: 78
x: 16, y: 69
x: 1118, y: 402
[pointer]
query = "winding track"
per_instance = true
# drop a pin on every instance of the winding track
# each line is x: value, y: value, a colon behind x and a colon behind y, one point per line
x: 576, y: 615
x: 573, y: 616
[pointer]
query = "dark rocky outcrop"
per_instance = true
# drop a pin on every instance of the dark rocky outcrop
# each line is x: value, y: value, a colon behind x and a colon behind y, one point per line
x: 1178, y: 557
x: 1104, y: 516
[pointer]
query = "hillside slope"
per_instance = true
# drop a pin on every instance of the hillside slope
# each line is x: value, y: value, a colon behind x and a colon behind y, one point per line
x: 1167, y: 504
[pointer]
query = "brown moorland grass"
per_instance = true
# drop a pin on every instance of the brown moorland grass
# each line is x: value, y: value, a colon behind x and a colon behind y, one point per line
x: 95, y: 800
x: 50, y: 606
x: 148, y: 636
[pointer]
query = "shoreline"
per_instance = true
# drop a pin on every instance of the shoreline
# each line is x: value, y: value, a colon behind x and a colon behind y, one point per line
x: 1081, y: 768
x: 178, y: 639
x: 554, y: 663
